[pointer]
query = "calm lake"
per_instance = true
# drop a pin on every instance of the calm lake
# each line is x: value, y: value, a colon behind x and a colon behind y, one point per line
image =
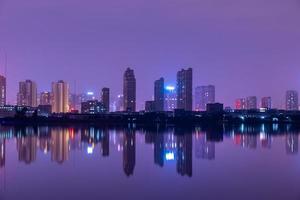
x: 77, y: 162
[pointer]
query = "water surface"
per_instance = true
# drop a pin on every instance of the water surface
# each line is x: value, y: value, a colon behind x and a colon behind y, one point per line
x: 244, y: 162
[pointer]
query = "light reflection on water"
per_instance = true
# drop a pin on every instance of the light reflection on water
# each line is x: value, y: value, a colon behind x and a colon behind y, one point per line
x: 178, y: 163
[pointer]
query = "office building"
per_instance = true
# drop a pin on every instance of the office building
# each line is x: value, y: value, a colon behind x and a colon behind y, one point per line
x: 266, y: 102
x: 60, y: 101
x: 251, y: 102
x: 27, y: 95
x: 92, y: 107
x: 2, y: 90
x: 240, y: 104
x: 292, y: 100
x: 129, y: 90
x: 105, y: 98
x: 159, y: 94
x: 185, y: 89
x: 170, y: 98
x: 203, y: 96
x: 45, y: 98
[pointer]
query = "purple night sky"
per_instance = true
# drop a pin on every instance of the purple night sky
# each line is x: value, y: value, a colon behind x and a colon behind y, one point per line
x: 244, y: 47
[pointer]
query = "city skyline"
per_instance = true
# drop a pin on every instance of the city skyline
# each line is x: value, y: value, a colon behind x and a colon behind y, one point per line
x: 186, y: 96
x: 224, y: 47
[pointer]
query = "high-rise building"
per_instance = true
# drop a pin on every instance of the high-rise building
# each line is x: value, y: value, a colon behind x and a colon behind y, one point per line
x: 159, y: 94
x: 105, y: 98
x: 266, y: 102
x: 185, y: 89
x: 2, y: 90
x: 45, y: 98
x: 129, y: 90
x: 251, y: 102
x: 292, y: 100
x: 170, y: 98
x: 60, y: 93
x: 203, y: 96
x: 27, y: 95
x: 240, y: 104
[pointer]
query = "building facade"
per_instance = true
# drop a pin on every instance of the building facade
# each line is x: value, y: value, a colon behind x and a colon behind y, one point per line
x: 92, y: 107
x: 292, y: 100
x: 60, y: 97
x: 170, y: 98
x: 159, y: 94
x: 185, y: 89
x: 45, y: 98
x: 266, y: 102
x: 251, y: 102
x: 240, y: 104
x: 2, y: 90
x: 129, y: 90
x: 203, y: 96
x: 27, y: 95
x: 105, y: 98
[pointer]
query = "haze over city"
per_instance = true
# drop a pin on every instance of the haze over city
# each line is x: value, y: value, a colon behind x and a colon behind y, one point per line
x: 242, y: 47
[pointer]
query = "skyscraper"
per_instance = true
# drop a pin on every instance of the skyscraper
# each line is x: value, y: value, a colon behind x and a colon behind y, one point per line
x: 292, y: 100
x: 240, y: 104
x: 251, y: 102
x: 129, y: 90
x: 170, y: 98
x: 159, y: 94
x: 266, y: 102
x: 185, y: 89
x: 203, y: 96
x: 60, y: 93
x: 45, y: 98
x: 2, y: 90
x: 27, y: 95
x: 105, y: 98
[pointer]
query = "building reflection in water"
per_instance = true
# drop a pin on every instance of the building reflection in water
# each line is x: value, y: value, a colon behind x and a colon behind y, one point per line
x: 26, y: 147
x: 291, y: 143
x: 184, y: 163
x: 174, y: 145
x: 129, y: 151
x: 59, y: 145
x: 2, y: 153
x: 204, y: 149
x: 105, y: 143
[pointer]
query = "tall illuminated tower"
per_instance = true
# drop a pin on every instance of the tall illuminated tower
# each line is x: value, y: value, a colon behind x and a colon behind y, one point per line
x: 170, y: 98
x: 60, y: 97
x: 2, y: 90
x: 129, y: 90
x: 185, y: 89
x: 27, y: 95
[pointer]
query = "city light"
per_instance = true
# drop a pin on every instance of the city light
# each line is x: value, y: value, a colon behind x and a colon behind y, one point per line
x: 170, y: 88
x: 90, y: 150
x: 170, y: 156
